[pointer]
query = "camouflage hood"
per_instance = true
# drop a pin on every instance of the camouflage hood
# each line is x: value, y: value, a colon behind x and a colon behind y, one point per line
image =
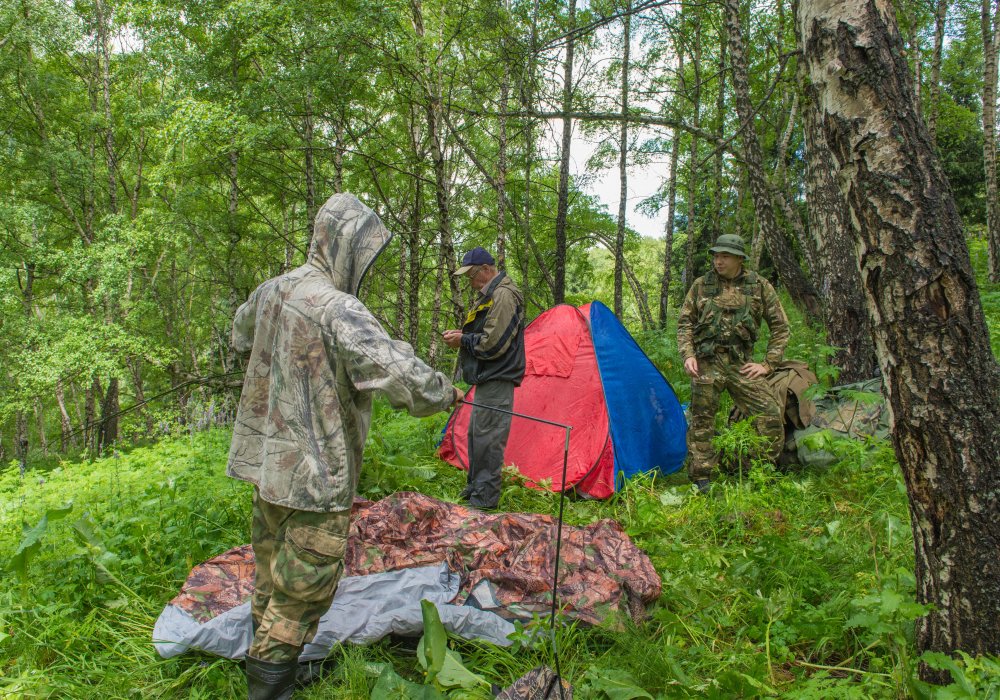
x: 316, y: 356
x: 347, y: 238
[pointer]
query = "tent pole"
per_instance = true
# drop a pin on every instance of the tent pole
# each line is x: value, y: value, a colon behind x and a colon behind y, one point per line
x: 559, y: 523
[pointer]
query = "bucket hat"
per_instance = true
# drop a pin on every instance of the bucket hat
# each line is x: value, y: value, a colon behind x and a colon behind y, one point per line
x: 729, y: 243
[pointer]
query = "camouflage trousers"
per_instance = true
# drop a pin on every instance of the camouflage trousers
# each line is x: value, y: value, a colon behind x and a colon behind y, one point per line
x: 753, y: 397
x: 300, y: 558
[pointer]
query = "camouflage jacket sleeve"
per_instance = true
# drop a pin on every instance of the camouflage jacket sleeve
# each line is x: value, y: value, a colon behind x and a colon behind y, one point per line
x: 244, y: 323
x: 376, y: 362
x: 502, y: 325
x: 686, y: 320
x: 777, y: 323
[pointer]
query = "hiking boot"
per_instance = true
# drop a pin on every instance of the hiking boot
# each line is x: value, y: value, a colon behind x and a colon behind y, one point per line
x: 271, y: 680
x: 703, y: 485
x: 311, y: 671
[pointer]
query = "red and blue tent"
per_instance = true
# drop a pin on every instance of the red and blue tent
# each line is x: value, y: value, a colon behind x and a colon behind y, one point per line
x: 584, y: 369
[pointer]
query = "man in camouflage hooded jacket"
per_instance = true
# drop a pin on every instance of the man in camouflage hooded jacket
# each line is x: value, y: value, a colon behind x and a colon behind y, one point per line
x: 716, y: 331
x: 316, y: 356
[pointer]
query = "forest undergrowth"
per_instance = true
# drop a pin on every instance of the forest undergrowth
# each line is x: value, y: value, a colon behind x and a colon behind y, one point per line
x: 793, y: 585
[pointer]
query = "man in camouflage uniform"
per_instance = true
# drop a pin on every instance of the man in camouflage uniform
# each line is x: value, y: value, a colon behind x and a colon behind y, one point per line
x: 716, y: 331
x: 491, y: 354
x: 316, y: 356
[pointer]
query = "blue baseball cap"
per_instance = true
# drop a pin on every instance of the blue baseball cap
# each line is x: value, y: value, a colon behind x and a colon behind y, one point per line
x: 476, y: 256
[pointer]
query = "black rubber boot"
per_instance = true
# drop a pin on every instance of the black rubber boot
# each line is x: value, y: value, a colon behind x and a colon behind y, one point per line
x: 270, y: 680
x: 311, y: 671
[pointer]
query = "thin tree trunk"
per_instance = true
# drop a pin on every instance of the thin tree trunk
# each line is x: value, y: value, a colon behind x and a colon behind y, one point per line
x: 991, y: 37
x: 140, y: 395
x: 338, y: 154
x: 433, y: 108
x: 783, y: 199
x: 526, y: 95
x: 562, y: 206
x: 104, y: 65
x: 93, y: 396
x: 432, y: 350
x: 501, y: 248
x: 43, y: 441
x: 782, y: 255
x: 668, y: 245
x: 413, y: 235
x: 756, y: 243
x: 619, y: 250
x: 692, y: 183
x: 917, y: 64
x: 519, y: 223
x: 310, y: 166
x: 940, y: 18
x: 21, y: 441
x: 109, y: 424
x: 941, y: 379
x: 65, y: 425
x: 109, y: 416
x: 720, y: 125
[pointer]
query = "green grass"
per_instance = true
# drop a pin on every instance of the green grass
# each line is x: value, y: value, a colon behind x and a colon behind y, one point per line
x: 794, y: 586
x: 773, y: 585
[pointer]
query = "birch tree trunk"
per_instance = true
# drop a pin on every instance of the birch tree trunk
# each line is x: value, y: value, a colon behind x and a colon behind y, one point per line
x: 991, y: 37
x: 110, y: 406
x: 414, y: 231
x: 782, y: 255
x: 559, y: 268
x: 65, y: 426
x: 308, y: 147
x: 527, y: 98
x: 338, y: 154
x: 43, y: 441
x: 940, y: 17
x: 501, y: 247
x: 619, y: 251
x: 941, y: 380
x: 838, y: 280
x: 433, y: 108
x: 720, y: 126
x: 692, y: 184
x: 668, y: 246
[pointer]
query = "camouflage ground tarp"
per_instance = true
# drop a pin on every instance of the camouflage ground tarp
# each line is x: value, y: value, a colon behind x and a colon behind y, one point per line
x: 511, y: 554
x: 479, y: 568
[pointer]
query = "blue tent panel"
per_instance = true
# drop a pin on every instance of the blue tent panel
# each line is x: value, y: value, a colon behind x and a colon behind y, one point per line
x: 648, y: 428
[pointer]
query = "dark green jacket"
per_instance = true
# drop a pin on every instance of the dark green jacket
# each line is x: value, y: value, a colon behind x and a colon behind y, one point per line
x: 493, y: 334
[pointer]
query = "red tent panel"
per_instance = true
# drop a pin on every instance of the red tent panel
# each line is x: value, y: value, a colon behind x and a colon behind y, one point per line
x: 561, y: 384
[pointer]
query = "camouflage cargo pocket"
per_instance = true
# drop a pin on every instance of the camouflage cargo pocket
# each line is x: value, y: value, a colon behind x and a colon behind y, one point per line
x: 315, y: 545
x: 309, y: 563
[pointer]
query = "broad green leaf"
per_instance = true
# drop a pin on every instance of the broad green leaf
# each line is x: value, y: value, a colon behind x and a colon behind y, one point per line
x: 31, y: 541
x: 435, y: 639
x: 454, y: 674
x: 391, y: 686
x: 615, y: 684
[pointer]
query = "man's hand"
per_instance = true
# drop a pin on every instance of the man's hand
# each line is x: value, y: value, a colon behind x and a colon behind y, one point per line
x: 754, y: 370
x: 452, y: 338
x: 691, y: 366
x: 459, y: 396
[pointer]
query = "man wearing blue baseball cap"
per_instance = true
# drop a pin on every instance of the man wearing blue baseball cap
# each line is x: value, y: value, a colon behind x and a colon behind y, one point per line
x: 491, y: 356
